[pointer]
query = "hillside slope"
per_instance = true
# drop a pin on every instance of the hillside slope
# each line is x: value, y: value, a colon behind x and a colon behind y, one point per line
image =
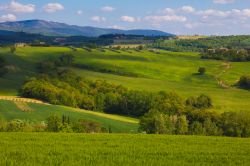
x: 55, y: 28
x: 144, y: 70
x: 33, y: 112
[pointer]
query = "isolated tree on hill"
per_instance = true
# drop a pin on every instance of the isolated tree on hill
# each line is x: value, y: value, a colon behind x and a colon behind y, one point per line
x: 140, y: 47
x: 202, y: 70
x: 12, y: 49
x: 245, y: 81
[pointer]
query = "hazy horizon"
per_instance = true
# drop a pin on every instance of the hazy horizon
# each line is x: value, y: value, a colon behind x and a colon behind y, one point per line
x: 185, y: 17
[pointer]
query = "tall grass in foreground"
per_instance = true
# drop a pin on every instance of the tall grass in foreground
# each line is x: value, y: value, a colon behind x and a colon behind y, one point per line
x: 110, y: 149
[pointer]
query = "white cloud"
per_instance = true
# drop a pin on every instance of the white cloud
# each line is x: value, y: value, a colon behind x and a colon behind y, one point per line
x: 129, y: 19
x: 107, y: 8
x: 188, y: 9
x: 7, y: 17
x: 234, y: 13
x: 246, y: 12
x: 169, y: 11
x: 223, y: 1
x: 117, y: 27
x: 166, y: 18
x: 212, y: 12
x: 98, y: 19
x: 18, y: 7
x: 79, y: 12
x: 53, y: 7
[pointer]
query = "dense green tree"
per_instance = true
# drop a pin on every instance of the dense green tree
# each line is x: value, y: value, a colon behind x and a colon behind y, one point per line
x: 155, y: 122
x: 54, y: 123
x: 201, y: 102
x: 181, y: 125
x: 112, y: 102
x: 211, y: 128
x: 169, y: 103
x: 99, y: 102
x: 196, y: 128
x: 236, y: 124
x: 136, y: 103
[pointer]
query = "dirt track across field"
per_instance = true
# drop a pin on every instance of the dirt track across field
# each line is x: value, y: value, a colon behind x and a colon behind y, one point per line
x: 20, y: 99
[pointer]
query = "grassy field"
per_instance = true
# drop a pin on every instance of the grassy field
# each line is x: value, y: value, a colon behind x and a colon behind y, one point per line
x: 146, y: 70
x: 40, y: 112
x: 26, y: 149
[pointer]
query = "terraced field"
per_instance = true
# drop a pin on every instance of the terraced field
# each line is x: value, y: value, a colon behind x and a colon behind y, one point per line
x: 147, y: 70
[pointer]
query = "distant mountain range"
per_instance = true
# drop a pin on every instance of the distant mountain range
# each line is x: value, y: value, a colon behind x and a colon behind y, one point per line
x: 60, y: 29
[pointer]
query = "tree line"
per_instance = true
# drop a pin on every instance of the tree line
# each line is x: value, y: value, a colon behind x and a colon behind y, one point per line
x: 235, y: 55
x: 197, y: 122
x: 203, y: 43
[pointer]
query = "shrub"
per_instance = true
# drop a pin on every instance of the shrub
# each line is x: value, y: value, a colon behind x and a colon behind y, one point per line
x: 18, y: 126
x: 86, y: 126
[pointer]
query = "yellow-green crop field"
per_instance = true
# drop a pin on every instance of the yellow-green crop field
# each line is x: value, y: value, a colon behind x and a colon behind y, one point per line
x: 29, y: 149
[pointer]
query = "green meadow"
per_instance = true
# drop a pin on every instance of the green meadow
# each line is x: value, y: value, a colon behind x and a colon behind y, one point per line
x: 146, y: 70
x: 26, y: 149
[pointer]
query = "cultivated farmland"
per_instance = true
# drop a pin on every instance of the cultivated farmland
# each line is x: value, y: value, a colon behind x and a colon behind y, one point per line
x: 110, y: 149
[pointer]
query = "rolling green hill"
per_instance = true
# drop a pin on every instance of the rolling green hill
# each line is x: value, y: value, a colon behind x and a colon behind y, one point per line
x: 33, y: 112
x: 121, y: 149
x: 62, y: 29
x: 147, y: 70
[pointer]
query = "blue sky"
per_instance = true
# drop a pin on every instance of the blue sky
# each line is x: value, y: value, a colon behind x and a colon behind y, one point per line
x: 209, y: 17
